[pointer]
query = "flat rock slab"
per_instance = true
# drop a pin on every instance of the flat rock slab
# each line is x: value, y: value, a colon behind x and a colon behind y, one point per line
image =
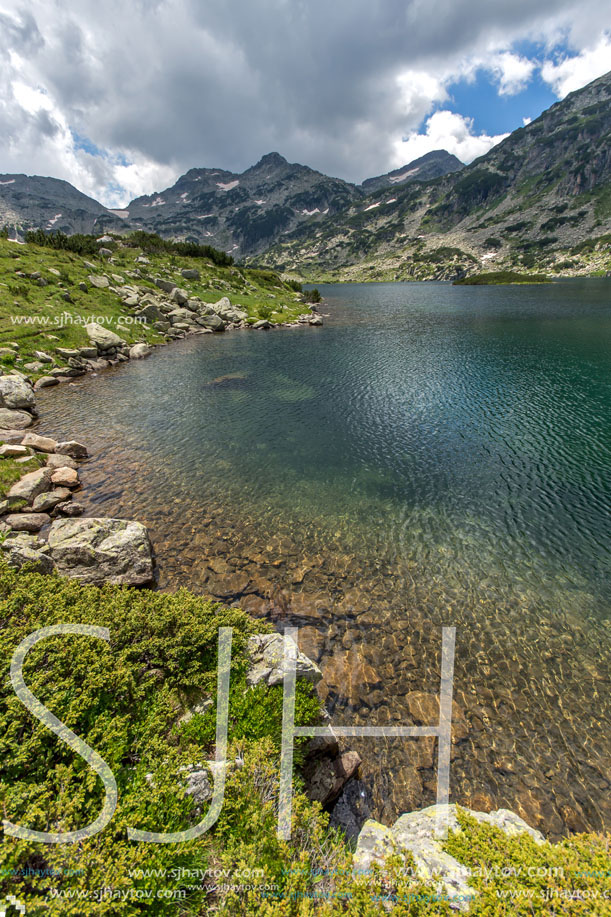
x: 30, y: 485
x: 11, y: 436
x: 12, y: 450
x: 61, y: 461
x: 40, y: 443
x: 102, y: 551
x: 27, y: 522
x: 101, y: 282
x: 45, y: 382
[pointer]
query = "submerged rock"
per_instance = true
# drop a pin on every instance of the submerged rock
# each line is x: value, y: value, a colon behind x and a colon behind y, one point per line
x: 102, y: 550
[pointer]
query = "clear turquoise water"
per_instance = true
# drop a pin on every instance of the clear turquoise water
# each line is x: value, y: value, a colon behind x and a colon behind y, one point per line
x: 434, y: 454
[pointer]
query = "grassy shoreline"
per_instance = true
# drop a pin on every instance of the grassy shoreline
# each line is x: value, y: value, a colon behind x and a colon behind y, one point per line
x: 47, y: 296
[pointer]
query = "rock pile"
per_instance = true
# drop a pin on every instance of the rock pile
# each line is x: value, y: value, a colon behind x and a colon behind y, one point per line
x: 91, y: 550
x: 45, y: 492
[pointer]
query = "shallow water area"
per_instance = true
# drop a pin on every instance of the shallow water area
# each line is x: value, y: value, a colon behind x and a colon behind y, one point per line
x: 433, y: 455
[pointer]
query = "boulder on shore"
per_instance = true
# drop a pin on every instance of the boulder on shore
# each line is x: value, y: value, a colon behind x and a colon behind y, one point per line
x: 103, y: 338
x: 72, y: 448
x: 138, y: 351
x: 17, y: 394
x: 101, y: 550
x: 266, y: 653
x: 214, y: 322
x: 65, y: 477
x: 27, y: 522
x: 326, y: 777
x: 15, y: 420
x: 30, y: 485
x: 40, y: 443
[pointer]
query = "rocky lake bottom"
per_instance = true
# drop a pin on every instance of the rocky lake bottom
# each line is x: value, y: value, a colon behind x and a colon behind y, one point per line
x: 434, y: 456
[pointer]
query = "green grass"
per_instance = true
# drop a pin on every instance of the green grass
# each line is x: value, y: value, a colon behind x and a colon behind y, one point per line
x: 11, y: 470
x: 125, y: 700
x: 500, y: 277
x: 22, y: 298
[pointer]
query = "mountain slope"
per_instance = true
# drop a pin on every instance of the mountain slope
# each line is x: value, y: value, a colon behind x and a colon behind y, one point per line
x: 34, y: 202
x: 431, y: 165
x: 242, y: 213
x: 530, y: 201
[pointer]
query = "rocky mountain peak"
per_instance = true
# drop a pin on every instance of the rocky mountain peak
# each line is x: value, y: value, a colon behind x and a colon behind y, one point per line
x: 271, y: 159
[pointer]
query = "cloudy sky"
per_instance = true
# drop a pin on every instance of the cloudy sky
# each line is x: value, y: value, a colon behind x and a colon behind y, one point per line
x: 120, y: 98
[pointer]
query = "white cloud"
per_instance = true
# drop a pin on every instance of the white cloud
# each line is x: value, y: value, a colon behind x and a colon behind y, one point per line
x: 334, y: 85
x: 511, y: 71
x: 571, y: 73
x: 445, y: 130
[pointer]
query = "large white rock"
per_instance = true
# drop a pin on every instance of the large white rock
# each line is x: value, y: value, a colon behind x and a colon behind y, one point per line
x: 99, y: 281
x: 422, y: 834
x: 103, y: 338
x: 138, y: 351
x: 102, y: 551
